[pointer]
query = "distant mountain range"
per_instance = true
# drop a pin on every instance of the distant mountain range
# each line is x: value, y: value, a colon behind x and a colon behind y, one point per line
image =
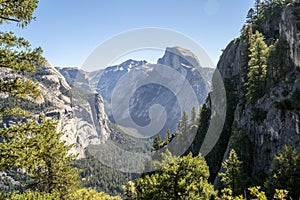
x: 178, y: 60
x: 79, y: 99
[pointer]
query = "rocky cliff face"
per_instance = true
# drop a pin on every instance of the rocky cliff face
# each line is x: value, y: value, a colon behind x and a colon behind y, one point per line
x: 289, y: 29
x: 268, y: 126
x: 87, y: 124
x: 82, y: 120
x: 185, y: 62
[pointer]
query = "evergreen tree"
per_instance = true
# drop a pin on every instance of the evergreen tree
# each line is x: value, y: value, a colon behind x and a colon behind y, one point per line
x: 257, y: 65
x: 48, y: 163
x: 250, y: 17
x: 233, y: 176
x: 195, y: 120
x: 168, y: 136
x: 285, y: 173
x: 17, y: 56
x: 157, y: 142
x: 194, y: 116
x: 257, y: 7
x: 34, y: 147
x: 166, y: 159
x: 54, y: 172
x: 183, y: 124
x: 184, y: 178
x: 278, y: 60
x: 20, y: 12
x: 240, y: 142
x: 204, y: 120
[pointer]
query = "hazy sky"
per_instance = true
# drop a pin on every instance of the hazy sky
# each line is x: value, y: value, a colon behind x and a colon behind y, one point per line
x: 69, y: 30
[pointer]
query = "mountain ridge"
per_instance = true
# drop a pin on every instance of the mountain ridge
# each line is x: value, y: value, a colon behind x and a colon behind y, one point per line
x: 104, y: 81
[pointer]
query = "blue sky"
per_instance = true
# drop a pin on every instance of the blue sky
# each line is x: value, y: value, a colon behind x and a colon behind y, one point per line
x: 69, y: 30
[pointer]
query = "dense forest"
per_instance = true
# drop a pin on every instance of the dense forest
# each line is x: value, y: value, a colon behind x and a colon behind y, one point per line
x: 32, y: 153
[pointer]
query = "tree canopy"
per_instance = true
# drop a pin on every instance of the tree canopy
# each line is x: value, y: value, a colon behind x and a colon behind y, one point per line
x: 183, y: 178
x: 233, y: 175
x: 20, y: 12
x: 26, y: 144
x: 285, y: 173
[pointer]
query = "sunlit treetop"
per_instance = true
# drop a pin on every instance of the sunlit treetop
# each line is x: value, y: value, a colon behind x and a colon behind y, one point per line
x: 19, y: 11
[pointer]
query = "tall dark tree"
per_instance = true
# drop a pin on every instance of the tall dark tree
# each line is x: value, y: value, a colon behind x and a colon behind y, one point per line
x: 278, y: 60
x: 257, y: 65
x: 233, y: 176
x: 48, y: 163
x: 19, y: 58
x: 285, y: 173
x: 257, y: 7
x: 183, y: 124
x: 194, y: 116
x: 54, y: 172
x: 168, y: 136
x: 157, y: 142
x: 31, y: 146
x: 250, y: 17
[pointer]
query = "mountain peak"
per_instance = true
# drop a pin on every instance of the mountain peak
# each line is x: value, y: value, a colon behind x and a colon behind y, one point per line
x: 179, y: 51
x: 178, y: 56
x: 131, y: 62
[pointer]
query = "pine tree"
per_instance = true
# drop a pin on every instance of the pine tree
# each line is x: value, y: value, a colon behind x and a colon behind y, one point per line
x: 195, y: 120
x: 47, y: 161
x: 157, y: 142
x: 285, y: 173
x: 34, y: 147
x: 257, y: 64
x: 250, y: 17
x: 194, y: 116
x: 278, y: 60
x: 233, y: 176
x: 168, y: 136
x: 183, y: 124
x: 256, y: 7
x: 166, y: 159
x: 17, y: 56
x: 54, y: 172
x: 20, y: 12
